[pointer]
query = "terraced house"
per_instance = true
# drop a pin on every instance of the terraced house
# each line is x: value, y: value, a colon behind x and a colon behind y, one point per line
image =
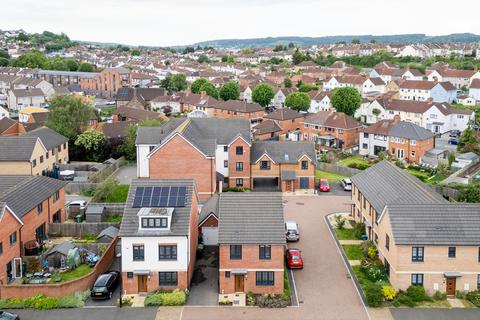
x: 422, y: 239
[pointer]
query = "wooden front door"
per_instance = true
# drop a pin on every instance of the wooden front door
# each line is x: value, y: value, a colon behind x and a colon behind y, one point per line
x: 239, y: 283
x: 288, y: 186
x: 142, y: 283
x: 451, y: 286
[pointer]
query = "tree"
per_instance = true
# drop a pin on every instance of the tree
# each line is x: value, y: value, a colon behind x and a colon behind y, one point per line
x: 197, y: 84
x: 469, y: 192
x: 32, y: 59
x: 279, y: 47
x: 247, y: 51
x: 230, y: 91
x: 373, y: 41
x: 355, y: 41
x: 291, y: 45
x: 135, y: 52
x: 346, y: 100
x: 468, y: 141
x: 128, y: 148
x: 92, y: 141
x: 203, y: 58
x: 209, y: 89
x: 299, y: 101
x: 22, y: 37
x: 72, y: 65
x: 3, y: 62
x: 4, y: 54
x: 56, y: 63
x: 263, y: 94
x: 287, y: 83
x: 174, y: 83
x: 305, y: 87
x: 86, y: 67
x: 298, y: 57
x: 228, y: 59
x: 69, y: 115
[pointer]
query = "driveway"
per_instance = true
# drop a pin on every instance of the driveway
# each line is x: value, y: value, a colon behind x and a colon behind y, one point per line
x: 336, y: 189
x: 324, y: 290
x: 442, y: 143
x: 126, y: 174
x: 90, y: 303
x: 204, y: 288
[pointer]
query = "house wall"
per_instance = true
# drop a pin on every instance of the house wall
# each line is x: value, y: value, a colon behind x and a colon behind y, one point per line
x: 349, y: 137
x: 367, y: 144
x: 9, y: 225
x: 10, y: 167
x: 251, y: 262
x: 142, y: 161
x: 233, y: 174
x: 16, y: 129
x: 439, y: 94
x: 411, y: 152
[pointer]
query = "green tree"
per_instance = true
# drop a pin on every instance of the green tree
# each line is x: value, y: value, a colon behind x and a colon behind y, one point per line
x: 72, y: 65
x: 355, y: 41
x: 92, y: 141
x: 373, y: 41
x: 22, y: 37
x: 307, y: 87
x: 228, y: 58
x: 56, y: 63
x: 346, y: 100
x: 69, y: 115
x: 4, y: 54
x: 299, y: 101
x: 247, y: 51
x: 203, y: 59
x: 469, y: 193
x: 263, y: 94
x: 197, y: 84
x: 4, y: 62
x: 279, y: 47
x: 291, y: 45
x: 209, y: 89
x: 287, y: 83
x: 298, y: 57
x: 230, y: 91
x: 128, y: 148
x: 86, y: 67
x: 32, y: 59
x: 468, y: 141
x: 175, y: 83
x: 135, y: 52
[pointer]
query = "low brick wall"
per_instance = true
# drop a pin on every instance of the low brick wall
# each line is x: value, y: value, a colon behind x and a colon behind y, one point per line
x: 61, y: 289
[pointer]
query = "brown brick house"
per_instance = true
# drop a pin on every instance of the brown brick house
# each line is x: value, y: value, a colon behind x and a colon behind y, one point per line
x: 251, y: 260
x: 30, y: 203
x: 289, y: 120
x: 10, y: 127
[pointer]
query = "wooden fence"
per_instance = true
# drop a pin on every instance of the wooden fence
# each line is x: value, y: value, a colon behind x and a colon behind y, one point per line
x: 78, y: 229
x: 344, y: 171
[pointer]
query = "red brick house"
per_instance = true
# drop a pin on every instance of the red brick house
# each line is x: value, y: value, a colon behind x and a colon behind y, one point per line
x: 289, y: 120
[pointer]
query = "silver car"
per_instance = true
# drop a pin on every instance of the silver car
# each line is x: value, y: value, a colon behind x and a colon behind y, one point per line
x: 347, y: 184
x: 291, y: 231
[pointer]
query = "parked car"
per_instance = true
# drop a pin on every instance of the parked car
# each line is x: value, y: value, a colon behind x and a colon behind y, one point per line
x: 294, y: 259
x: 291, y: 231
x: 4, y: 315
x: 453, y: 141
x: 347, y: 184
x: 454, y: 133
x: 324, y: 185
x: 105, y: 285
x: 80, y: 204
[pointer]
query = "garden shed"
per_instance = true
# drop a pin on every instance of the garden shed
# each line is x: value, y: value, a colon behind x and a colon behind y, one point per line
x: 107, y: 235
x: 57, y: 255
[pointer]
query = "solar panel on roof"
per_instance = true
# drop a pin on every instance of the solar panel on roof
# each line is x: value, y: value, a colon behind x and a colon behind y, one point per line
x: 158, y: 197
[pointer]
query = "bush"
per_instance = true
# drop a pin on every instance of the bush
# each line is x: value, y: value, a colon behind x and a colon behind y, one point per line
x: 126, y: 301
x: 366, y: 245
x: 373, y: 270
x: 437, y: 296
x: 250, y: 298
x: 374, y: 295
x: 353, y: 165
x: 271, y: 301
x: 474, y: 297
x: 41, y: 302
x: 362, y: 166
x: 287, y: 293
x: 389, y: 293
x: 460, y: 294
x: 359, y: 230
x: 235, y: 189
x: 403, y: 299
x: 162, y: 298
x: 416, y: 293
x: 372, y: 252
x: 399, y: 164
x: 339, y: 222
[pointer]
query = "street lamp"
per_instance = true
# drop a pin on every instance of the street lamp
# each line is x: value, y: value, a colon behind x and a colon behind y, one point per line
x: 119, y: 255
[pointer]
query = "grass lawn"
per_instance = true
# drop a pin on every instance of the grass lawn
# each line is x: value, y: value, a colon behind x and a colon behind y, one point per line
x: 113, y: 218
x: 119, y: 194
x: 362, y: 278
x: 353, y: 159
x: 353, y: 252
x: 332, y: 177
x: 434, y: 304
x: 73, y: 274
x: 345, y: 234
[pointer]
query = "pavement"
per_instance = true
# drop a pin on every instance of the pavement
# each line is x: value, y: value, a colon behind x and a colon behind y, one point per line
x: 126, y: 174
x: 89, y: 314
x: 435, y: 314
x: 336, y: 189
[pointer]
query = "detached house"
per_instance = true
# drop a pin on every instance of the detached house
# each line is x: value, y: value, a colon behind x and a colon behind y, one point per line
x: 422, y: 239
x: 289, y: 120
x: 320, y: 101
x: 363, y: 84
x: 22, y: 98
x: 159, y: 235
x: 474, y: 90
x: 427, y: 90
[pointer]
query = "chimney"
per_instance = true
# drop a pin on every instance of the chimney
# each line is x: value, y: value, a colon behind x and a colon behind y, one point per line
x: 203, y: 94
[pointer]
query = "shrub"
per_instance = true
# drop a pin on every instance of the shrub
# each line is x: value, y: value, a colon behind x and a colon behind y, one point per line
x: 374, y: 295
x: 362, y: 166
x: 439, y: 296
x: 366, y: 245
x: 126, y: 301
x: 416, y: 293
x: 373, y: 270
x: 250, y: 298
x: 353, y: 165
x: 474, y: 297
x: 271, y: 301
x: 236, y: 189
x: 389, y: 293
x: 399, y: 164
x: 372, y: 252
x: 339, y: 221
x: 162, y: 298
x: 403, y: 300
x: 287, y: 293
x: 359, y: 230
x: 460, y: 294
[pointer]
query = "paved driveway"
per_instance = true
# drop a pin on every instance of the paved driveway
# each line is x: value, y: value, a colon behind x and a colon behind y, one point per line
x: 116, y: 294
x: 324, y: 290
x: 204, y: 288
x: 126, y: 174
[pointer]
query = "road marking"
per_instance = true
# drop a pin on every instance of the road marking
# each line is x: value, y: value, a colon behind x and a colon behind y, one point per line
x: 343, y: 260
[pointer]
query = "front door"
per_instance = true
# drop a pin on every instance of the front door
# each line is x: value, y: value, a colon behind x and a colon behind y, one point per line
x: 239, y: 283
x: 289, y: 185
x: 142, y: 283
x: 451, y: 286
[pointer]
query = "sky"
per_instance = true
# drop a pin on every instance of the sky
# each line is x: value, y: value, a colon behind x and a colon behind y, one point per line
x: 182, y: 22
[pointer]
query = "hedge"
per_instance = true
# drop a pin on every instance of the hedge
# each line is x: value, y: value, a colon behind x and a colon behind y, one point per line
x: 41, y: 302
x: 164, y: 298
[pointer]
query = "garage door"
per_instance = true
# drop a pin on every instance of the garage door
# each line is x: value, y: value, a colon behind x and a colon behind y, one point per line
x: 210, y: 236
x: 265, y: 184
x: 304, y: 183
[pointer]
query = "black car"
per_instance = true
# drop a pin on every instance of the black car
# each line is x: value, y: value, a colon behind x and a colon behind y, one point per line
x: 105, y: 285
x: 8, y: 316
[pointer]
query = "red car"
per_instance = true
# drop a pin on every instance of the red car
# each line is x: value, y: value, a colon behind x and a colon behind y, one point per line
x: 324, y: 185
x: 294, y: 259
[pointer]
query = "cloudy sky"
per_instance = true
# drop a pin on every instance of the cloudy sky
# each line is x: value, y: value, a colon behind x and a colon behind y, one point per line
x: 179, y: 22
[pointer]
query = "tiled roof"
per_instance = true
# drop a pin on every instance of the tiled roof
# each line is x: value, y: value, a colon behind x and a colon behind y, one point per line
x: 266, y: 126
x: 284, y: 114
x: 408, y: 130
x: 283, y: 151
x: 17, y: 148
x: 50, y: 138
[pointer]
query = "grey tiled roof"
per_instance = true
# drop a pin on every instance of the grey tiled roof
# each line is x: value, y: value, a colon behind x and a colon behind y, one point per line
x: 180, y: 224
x: 154, y: 135
x: 50, y: 138
x: 24, y: 193
x: 251, y: 217
x: 17, y: 148
x: 408, y: 130
x: 435, y: 224
x: 211, y: 206
x: 283, y: 151
x: 386, y: 184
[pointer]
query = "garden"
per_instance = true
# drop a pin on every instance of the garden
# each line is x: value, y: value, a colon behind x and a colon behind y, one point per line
x: 162, y: 297
x: 41, y: 302
x: 272, y: 300
x: 332, y: 177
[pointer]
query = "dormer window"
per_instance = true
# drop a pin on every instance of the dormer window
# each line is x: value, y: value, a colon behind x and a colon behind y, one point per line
x: 156, y: 223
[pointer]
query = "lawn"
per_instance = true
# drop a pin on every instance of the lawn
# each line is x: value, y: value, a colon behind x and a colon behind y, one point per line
x: 76, y: 273
x: 332, y: 177
x: 353, y: 159
x: 113, y: 218
x: 361, y: 276
x: 353, y: 252
x: 120, y: 194
x: 345, y: 234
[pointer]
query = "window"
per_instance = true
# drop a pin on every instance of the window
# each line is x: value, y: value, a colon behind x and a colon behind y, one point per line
x: 227, y: 274
x: 304, y: 165
x: 168, y: 252
x: 40, y: 208
x: 138, y: 252
x: 478, y: 282
x: 151, y: 148
x: 65, y: 145
x: 265, y: 252
x: 41, y: 159
x: 375, y: 238
x: 34, y: 163
x: 167, y: 278
x: 413, y: 142
x: 56, y: 196
x: 239, y: 182
x: 239, y: 166
x: 239, y: 150
x: 130, y: 275
x: 151, y: 223
x: 413, y: 153
x: 365, y: 135
x: 452, y: 252
x: 47, y: 155
x: 225, y: 163
x: 235, y: 252
x: 387, y: 242
x: 225, y: 148
x: 265, y: 278
x: 13, y: 238
x: 417, y: 254
x: 265, y: 165
x: 387, y: 267
x: 417, y: 279
x: 364, y: 146
x: 1, y: 248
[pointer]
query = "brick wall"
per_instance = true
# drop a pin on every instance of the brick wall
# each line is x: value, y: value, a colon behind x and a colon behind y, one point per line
x: 233, y: 158
x: 130, y: 285
x: 9, y: 225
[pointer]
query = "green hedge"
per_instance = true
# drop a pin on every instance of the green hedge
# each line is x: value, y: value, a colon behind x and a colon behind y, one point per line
x: 41, y: 302
x: 164, y: 298
x: 474, y: 297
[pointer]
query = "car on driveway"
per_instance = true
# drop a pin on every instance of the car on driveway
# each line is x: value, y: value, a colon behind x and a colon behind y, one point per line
x: 347, y: 184
x: 454, y: 133
x: 4, y: 315
x: 291, y: 231
x: 453, y: 141
x: 324, y: 185
x: 105, y: 285
x: 80, y: 204
x: 294, y: 259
